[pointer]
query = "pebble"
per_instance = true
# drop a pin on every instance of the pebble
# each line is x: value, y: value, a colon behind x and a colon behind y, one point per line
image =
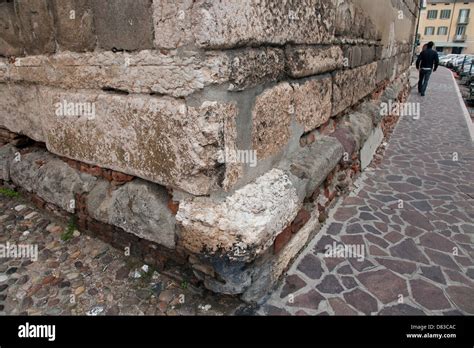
x: 76, y: 254
x: 79, y: 290
x: 20, y: 207
x: 94, y: 311
x: 76, y: 233
x: 72, y: 276
x: 3, y: 278
x: 31, y: 215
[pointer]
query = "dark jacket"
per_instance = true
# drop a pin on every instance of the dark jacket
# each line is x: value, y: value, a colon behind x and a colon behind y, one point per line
x: 428, y: 59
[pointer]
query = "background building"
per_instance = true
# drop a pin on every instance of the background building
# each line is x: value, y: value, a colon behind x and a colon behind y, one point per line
x: 448, y: 24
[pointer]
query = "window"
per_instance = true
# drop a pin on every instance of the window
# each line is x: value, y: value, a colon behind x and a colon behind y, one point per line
x: 429, y: 30
x: 443, y: 31
x: 432, y: 14
x: 445, y: 14
x: 464, y: 16
x: 460, y: 30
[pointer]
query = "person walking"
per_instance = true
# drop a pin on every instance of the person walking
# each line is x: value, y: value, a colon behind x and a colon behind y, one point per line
x: 427, y: 62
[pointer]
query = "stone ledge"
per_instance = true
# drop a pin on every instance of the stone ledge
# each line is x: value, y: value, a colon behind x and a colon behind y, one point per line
x: 245, y: 224
x: 165, y: 141
x: 137, y: 207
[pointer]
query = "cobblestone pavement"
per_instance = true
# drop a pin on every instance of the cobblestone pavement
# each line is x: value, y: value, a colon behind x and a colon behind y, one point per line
x: 85, y: 276
x: 413, y: 216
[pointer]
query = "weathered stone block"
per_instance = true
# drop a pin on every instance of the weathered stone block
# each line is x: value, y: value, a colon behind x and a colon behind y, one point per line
x: 367, y: 54
x: 50, y: 178
x: 74, y: 25
x: 245, y: 224
x: 271, y: 120
x: 316, y: 161
x: 342, y: 90
x: 123, y: 24
x: 312, y: 102
x: 305, y: 61
x: 10, y: 42
x: 346, y: 138
x: 36, y: 26
x: 253, y: 67
x: 352, y: 85
x: 7, y: 154
x: 353, y: 56
x: 364, y: 82
x: 361, y: 125
x: 157, y: 138
x: 241, y: 22
x: 173, y: 23
x: 138, y: 207
x: 147, y: 71
x: 372, y: 109
x: 352, y: 22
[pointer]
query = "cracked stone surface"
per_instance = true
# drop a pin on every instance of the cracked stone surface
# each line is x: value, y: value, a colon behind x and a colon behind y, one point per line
x: 414, y: 217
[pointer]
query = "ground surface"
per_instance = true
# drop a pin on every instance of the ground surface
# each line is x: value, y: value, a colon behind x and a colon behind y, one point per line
x: 418, y: 256
x: 85, y: 276
x: 414, y: 216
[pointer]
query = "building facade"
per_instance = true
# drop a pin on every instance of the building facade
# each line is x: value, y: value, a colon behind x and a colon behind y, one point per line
x: 448, y: 24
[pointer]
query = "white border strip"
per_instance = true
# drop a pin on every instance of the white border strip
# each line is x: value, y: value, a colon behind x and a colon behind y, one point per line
x: 467, y: 116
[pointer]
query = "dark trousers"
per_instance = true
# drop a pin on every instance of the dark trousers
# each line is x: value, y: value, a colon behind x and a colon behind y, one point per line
x: 423, y: 81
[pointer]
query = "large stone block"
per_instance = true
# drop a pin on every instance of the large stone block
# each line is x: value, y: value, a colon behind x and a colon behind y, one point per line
x: 250, y: 68
x: 226, y: 24
x: 305, y: 61
x: 138, y: 207
x: 352, y: 22
x: 271, y: 117
x: 124, y: 24
x: 7, y: 153
x: 313, y: 163
x: 173, y: 23
x: 19, y: 110
x: 36, y: 26
x: 156, y: 138
x: 147, y: 71
x: 361, y: 125
x: 245, y: 224
x: 312, y: 102
x: 50, y: 178
x: 364, y: 82
x: 10, y: 43
x: 352, y: 85
x: 74, y: 25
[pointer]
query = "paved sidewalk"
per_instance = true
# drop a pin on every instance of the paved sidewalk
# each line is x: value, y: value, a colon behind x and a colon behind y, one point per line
x: 414, y: 216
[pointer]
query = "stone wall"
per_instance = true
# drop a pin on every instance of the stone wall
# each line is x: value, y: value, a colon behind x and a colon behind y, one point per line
x: 162, y: 91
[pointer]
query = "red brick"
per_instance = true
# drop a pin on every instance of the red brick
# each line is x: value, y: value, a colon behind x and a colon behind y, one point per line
x: 95, y: 171
x: 121, y: 177
x: 173, y: 206
x: 282, y: 239
x: 107, y: 174
x: 38, y: 202
x: 301, y: 219
x: 311, y: 138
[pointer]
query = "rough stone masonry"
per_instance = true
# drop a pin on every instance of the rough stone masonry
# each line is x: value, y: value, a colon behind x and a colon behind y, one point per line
x: 151, y: 93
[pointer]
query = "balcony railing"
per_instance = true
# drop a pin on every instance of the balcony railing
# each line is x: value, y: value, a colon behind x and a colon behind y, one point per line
x: 463, y: 20
x: 459, y: 38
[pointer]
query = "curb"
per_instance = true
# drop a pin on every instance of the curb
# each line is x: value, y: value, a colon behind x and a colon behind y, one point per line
x: 467, y: 116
